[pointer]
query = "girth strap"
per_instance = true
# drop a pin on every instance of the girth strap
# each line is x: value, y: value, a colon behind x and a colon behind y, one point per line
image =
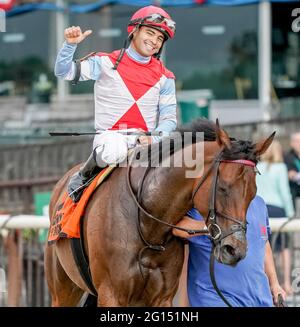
x: 81, y: 260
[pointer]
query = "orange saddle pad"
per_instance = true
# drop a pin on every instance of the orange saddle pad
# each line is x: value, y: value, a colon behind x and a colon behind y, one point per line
x: 66, y: 220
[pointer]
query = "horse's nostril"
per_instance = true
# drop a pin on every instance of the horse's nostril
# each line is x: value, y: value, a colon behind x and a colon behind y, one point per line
x: 229, y: 249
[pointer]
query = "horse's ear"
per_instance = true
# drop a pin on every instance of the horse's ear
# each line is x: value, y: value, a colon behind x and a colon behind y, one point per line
x: 262, y: 146
x: 221, y: 136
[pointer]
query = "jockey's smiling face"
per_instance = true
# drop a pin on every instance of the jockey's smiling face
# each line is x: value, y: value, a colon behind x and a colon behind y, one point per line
x: 147, y: 41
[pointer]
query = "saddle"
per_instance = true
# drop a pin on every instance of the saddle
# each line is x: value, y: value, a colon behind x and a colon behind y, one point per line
x: 66, y: 220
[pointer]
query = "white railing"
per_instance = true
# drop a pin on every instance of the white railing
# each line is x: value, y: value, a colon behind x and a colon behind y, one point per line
x: 32, y: 288
x: 35, y: 222
x: 23, y: 221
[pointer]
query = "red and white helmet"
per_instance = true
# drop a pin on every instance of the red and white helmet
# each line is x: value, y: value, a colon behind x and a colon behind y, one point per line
x: 153, y: 17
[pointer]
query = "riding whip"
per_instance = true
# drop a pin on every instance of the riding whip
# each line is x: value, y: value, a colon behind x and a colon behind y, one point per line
x: 95, y: 133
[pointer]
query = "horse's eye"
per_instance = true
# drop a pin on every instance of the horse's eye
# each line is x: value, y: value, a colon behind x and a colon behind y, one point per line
x: 257, y: 172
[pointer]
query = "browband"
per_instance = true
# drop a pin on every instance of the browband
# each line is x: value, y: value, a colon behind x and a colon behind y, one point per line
x: 241, y: 161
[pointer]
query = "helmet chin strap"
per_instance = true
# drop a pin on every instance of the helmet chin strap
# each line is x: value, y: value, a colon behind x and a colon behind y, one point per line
x: 125, y: 46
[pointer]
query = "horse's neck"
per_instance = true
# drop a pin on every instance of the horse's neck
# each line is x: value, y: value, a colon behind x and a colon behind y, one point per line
x: 167, y: 191
x: 170, y: 189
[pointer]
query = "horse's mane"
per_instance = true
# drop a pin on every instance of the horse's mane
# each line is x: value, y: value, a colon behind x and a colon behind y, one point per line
x: 240, y: 149
x: 206, y: 126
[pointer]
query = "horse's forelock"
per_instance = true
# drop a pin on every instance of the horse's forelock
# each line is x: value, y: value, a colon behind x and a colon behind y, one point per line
x: 240, y: 150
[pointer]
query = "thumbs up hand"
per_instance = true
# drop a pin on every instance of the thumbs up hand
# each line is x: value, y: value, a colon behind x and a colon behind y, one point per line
x: 74, y: 35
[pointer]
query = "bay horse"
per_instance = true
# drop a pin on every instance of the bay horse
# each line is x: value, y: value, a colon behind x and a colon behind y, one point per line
x: 135, y: 260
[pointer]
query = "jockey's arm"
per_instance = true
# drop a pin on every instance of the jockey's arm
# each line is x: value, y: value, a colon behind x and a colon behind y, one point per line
x: 65, y: 66
x: 167, y: 117
x: 188, y: 223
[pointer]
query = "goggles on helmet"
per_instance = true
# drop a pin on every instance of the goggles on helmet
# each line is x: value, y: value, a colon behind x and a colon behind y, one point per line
x: 159, y: 19
x: 156, y: 19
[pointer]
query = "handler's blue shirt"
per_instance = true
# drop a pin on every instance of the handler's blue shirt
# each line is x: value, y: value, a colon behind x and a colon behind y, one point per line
x: 246, y: 284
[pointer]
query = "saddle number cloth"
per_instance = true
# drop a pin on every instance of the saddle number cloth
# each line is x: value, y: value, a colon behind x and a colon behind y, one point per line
x: 66, y: 220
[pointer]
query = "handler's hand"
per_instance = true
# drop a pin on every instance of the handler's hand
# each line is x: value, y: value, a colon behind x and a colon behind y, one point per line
x: 276, y: 290
x: 74, y: 35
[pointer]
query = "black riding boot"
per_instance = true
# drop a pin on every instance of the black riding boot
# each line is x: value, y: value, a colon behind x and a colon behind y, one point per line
x: 78, y: 180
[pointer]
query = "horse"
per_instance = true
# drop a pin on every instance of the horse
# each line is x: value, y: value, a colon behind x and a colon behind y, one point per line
x: 134, y: 259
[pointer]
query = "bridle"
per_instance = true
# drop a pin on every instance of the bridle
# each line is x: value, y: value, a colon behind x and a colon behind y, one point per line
x: 213, y: 213
x: 213, y: 228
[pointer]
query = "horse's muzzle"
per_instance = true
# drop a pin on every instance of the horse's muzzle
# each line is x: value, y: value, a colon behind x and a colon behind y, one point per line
x: 231, y: 250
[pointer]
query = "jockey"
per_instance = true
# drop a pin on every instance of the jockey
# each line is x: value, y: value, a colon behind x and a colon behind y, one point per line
x: 133, y: 90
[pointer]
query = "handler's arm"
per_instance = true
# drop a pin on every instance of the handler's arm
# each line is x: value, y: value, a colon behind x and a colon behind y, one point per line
x: 272, y: 275
x: 188, y: 223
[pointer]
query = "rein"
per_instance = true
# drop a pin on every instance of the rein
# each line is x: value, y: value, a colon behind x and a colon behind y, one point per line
x: 148, y: 245
x: 213, y: 229
x: 212, y: 216
x: 189, y: 231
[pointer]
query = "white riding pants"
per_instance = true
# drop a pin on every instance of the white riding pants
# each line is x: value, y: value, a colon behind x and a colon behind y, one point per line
x: 111, y: 147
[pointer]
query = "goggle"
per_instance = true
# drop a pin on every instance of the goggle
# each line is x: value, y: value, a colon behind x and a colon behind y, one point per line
x: 157, y: 19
